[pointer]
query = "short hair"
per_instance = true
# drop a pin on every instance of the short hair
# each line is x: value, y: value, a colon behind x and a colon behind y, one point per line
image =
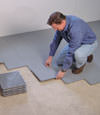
x: 56, y: 18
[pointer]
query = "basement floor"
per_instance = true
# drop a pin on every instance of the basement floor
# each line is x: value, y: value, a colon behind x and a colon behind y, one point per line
x: 51, y: 97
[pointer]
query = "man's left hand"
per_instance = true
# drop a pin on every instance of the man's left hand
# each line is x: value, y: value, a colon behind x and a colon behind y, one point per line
x: 60, y: 75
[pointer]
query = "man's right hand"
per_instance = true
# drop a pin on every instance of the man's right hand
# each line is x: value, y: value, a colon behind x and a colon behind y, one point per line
x: 48, y: 61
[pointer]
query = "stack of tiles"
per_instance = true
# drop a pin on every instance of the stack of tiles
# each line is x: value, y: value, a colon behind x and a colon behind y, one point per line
x: 12, y: 83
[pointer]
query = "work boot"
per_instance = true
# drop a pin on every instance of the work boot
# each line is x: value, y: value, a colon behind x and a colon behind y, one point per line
x: 78, y: 70
x: 90, y: 58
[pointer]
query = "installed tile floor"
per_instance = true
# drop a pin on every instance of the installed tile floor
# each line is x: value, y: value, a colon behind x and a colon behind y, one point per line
x: 51, y: 97
x: 32, y: 49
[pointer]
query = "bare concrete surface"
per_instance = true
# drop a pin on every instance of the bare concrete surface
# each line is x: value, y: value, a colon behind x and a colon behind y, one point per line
x: 51, y: 97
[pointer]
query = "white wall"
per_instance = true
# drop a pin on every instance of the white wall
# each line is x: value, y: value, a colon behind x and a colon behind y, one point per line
x: 18, y: 16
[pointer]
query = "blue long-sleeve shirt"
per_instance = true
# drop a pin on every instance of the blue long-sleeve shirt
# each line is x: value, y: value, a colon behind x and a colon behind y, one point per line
x: 76, y: 33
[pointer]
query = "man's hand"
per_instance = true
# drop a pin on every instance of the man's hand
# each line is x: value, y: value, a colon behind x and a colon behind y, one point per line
x: 60, y: 75
x: 48, y: 61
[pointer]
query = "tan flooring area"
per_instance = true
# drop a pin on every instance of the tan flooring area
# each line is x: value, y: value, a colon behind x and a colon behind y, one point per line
x: 51, y: 97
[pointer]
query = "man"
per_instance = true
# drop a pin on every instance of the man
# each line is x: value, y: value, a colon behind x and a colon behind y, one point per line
x: 81, y: 43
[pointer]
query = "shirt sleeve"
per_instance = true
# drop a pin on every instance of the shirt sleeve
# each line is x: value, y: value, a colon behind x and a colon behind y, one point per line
x: 76, y: 39
x: 55, y: 43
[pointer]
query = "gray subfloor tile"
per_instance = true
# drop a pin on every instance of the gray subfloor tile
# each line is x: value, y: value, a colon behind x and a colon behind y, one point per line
x: 11, y: 80
x: 13, y: 93
x: 12, y: 83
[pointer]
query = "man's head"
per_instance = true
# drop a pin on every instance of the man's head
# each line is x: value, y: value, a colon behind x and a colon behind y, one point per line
x: 57, y: 20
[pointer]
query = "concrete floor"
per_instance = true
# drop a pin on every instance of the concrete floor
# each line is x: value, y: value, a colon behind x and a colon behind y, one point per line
x: 51, y: 97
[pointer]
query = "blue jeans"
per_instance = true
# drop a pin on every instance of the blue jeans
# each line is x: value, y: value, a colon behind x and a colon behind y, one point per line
x: 80, y: 54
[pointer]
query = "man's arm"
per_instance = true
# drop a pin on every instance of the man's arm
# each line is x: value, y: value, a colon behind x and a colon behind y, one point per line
x: 75, y: 42
x: 55, y: 43
x: 53, y: 47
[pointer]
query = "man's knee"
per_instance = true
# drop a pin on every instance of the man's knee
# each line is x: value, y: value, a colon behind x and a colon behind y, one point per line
x: 79, y: 56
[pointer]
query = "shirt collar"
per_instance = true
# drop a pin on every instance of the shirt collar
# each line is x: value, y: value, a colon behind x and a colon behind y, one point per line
x: 67, y: 23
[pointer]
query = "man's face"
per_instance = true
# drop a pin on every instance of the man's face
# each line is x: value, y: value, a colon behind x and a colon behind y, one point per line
x: 59, y: 27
